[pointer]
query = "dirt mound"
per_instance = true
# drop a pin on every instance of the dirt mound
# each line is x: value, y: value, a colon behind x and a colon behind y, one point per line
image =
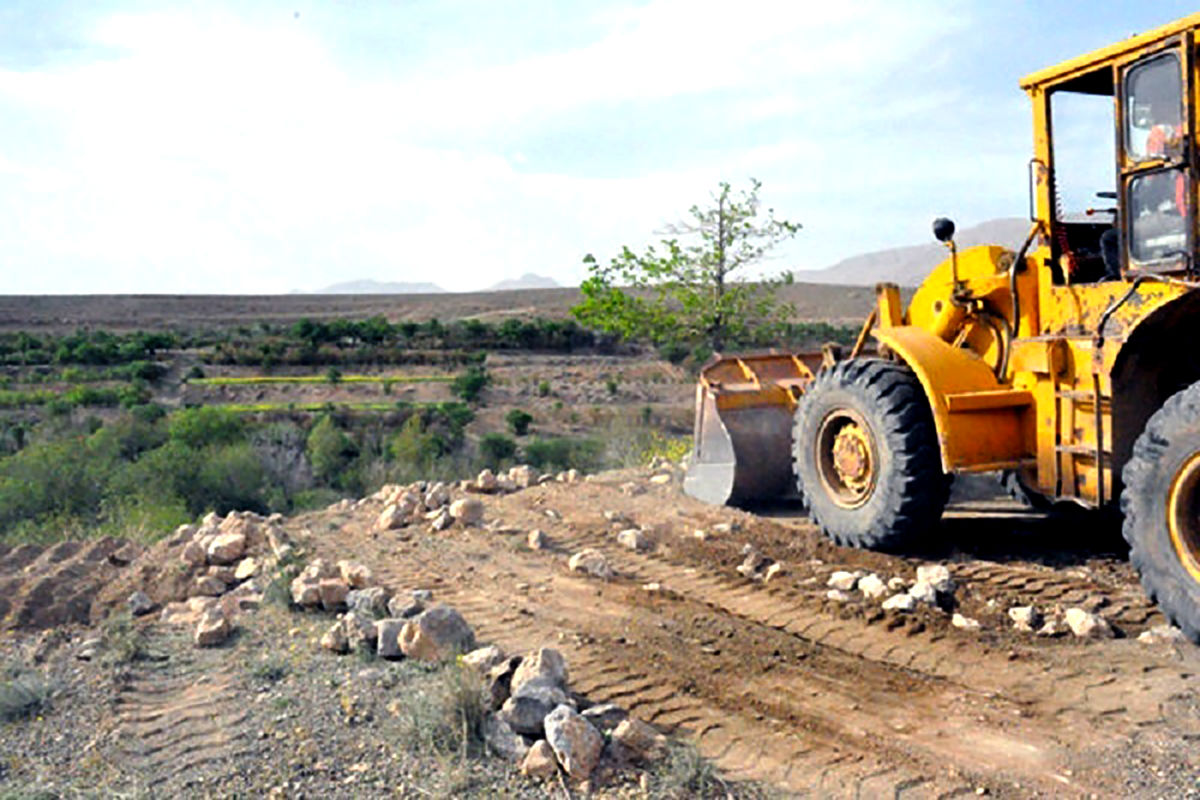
x: 47, y: 586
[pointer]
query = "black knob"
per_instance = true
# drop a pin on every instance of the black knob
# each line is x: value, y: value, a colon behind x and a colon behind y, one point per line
x: 943, y: 229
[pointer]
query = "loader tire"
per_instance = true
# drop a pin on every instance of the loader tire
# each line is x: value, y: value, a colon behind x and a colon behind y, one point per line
x: 1161, y: 501
x: 873, y: 411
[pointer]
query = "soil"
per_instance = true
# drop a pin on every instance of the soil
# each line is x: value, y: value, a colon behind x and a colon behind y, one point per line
x: 773, y: 681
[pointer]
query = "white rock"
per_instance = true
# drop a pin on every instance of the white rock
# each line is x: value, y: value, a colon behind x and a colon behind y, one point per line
x: 897, y: 585
x: 193, y: 554
x: 441, y: 521
x: 634, y: 539
x: 436, y: 635
x: 538, y: 540
x: 872, y: 586
x: 226, y: 548
x: 936, y: 576
x: 523, y: 476
x: 900, y: 602
x: 591, y: 562
x: 392, y: 517
x: 576, y: 743
x: 334, y: 640
x: 923, y: 592
x: 540, y: 761
x: 838, y: 596
x: 660, y: 480
x: 213, y: 628
x: 959, y: 621
x: 306, y: 590
x: 1161, y: 634
x: 639, y: 739
x: 502, y: 740
x: 845, y: 581
x: 775, y: 570
x: 333, y: 593
x: 437, y: 497
x: 140, y: 604
x: 1025, y: 618
x: 387, y: 637
x: 246, y: 569
x: 486, y: 481
x: 482, y: 659
x: 356, y: 576
x: 468, y: 510
x: 545, y: 665
x: 1087, y: 625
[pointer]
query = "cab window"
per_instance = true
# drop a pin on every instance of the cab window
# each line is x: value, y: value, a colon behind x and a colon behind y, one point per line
x: 1154, y: 111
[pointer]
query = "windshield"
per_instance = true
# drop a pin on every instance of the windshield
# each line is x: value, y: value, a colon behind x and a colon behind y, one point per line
x: 1154, y: 116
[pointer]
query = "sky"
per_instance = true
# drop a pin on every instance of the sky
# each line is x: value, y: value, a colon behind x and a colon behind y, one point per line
x: 260, y: 147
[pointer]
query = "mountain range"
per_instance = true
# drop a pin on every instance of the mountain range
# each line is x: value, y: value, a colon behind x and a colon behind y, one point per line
x: 368, y: 286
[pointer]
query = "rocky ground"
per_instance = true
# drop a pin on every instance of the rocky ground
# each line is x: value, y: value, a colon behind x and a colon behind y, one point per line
x: 345, y: 652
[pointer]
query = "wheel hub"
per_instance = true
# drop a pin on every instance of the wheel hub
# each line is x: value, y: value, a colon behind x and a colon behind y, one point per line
x: 846, y: 458
x: 1183, y: 515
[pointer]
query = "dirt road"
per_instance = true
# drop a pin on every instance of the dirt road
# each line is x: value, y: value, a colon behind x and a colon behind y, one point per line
x: 778, y: 683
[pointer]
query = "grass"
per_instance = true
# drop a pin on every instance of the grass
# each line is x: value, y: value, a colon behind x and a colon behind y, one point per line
x: 260, y: 408
x: 291, y: 379
x: 24, y: 695
x: 446, y: 717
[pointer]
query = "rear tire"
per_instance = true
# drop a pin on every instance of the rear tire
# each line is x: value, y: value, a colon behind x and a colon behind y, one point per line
x: 1161, y: 502
x: 874, y: 412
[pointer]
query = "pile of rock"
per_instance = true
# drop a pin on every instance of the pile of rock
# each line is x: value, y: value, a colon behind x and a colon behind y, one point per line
x: 539, y: 723
x: 933, y: 588
x: 406, y: 627
x: 1080, y: 622
x: 224, y: 559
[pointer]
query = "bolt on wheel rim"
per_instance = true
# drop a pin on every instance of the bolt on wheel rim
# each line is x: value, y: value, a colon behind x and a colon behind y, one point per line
x: 846, y: 458
x: 1183, y: 515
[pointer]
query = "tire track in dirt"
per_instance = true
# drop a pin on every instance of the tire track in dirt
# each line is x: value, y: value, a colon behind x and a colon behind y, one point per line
x: 176, y: 715
x: 44, y: 587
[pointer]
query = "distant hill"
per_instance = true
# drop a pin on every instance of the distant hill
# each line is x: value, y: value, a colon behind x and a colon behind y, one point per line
x: 381, y: 287
x: 526, y: 281
x: 908, y: 266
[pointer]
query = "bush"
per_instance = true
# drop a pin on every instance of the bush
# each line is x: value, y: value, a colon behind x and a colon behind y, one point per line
x: 518, y: 421
x: 198, y: 427
x: 414, y: 447
x: 469, y: 385
x: 333, y: 375
x: 564, y: 453
x: 447, y: 717
x: 23, y: 696
x: 329, y: 449
x: 195, y: 373
x: 495, y: 449
x: 543, y: 389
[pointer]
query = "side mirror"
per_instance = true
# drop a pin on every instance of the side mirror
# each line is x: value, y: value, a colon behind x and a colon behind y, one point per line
x: 943, y: 229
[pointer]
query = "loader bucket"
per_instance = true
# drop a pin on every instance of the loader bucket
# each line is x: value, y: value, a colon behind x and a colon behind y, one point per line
x: 742, y: 451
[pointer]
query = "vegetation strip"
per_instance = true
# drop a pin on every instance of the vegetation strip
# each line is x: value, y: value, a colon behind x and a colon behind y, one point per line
x: 257, y: 379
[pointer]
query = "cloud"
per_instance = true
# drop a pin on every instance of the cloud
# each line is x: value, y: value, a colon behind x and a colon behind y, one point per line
x: 206, y: 151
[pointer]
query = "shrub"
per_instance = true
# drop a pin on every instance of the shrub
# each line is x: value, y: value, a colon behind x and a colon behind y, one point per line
x: 333, y: 375
x: 612, y: 385
x: 470, y: 384
x: 195, y: 373
x: 230, y: 478
x: 415, y: 447
x: 518, y: 421
x: 23, y: 696
x: 495, y: 449
x: 564, y: 453
x: 329, y: 449
x: 543, y: 389
x: 198, y: 427
x: 446, y: 717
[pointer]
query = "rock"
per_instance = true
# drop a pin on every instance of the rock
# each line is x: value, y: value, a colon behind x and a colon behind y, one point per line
x: 437, y: 497
x: 89, y: 648
x: 639, y: 739
x: 754, y: 563
x: 618, y: 517
x: 540, y: 761
x: 523, y: 476
x: 246, y: 569
x: 872, y: 586
x: 188, y: 612
x: 1055, y: 625
x: 897, y: 585
x: 774, y: 571
x: 527, y: 707
x: 966, y: 623
x: 223, y: 573
x: 486, y: 481
x: 140, y: 604
x: 632, y: 489
x: 372, y: 602
x: 936, y: 576
x: 182, y: 534
x: 387, y: 637
x: 334, y: 640
x: 392, y: 517
x: 482, y: 659
x: 405, y: 607
x: 591, y: 562
x: 333, y: 593
x: 845, y: 581
x: 360, y: 630
x: 924, y: 592
x: 356, y: 575
x: 573, y: 476
x: 421, y: 595
x: 538, y: 540
x: 900, y: 602
x: 634, y: 539
x: 546, y: 666
x: 605, y: 717
x: 725, y: 528
x: 437, y: 634
x: 575, y: 742
x: 213, y: 629
x: 660, y: 480
x: 193, y: 554
x: 700, y: 535
x: 1087, y: 625
x: 1025, y: 618
x: 226, y: 548
x: 306, y: 590
x: 838, y: 596
x: 499, y: 681
x: 1161, y: 634
x: 468, y: 511
x: 208, y: 586
x: 441, y: 521
x: 502, y: 740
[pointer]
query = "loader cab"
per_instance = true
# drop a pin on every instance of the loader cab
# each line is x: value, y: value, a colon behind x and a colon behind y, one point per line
x: 1113, y: 174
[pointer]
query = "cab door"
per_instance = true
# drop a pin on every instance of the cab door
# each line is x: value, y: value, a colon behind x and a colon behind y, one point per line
x: 1155, y: 151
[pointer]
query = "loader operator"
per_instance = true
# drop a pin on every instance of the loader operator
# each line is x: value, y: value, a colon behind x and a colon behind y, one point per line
x: 1158, y: 200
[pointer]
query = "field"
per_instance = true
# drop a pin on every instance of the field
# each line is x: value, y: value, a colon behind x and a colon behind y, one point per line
x: 718, y: 626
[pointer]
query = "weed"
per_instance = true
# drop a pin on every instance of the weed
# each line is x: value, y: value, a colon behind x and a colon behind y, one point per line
x: 447, y: 716
x: 543, y: 389
x: 271, y: 670
x: 23, y: 696
x: 684, y: 773
x: 124, y: 642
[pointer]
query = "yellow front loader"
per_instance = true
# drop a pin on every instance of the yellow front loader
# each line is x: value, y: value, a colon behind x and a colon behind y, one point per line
x: 1072, y: 366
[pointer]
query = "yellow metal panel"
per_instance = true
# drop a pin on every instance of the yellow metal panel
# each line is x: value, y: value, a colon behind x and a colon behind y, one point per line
x: 993, y: 437
x: 890, y: 310
x: 987, y: 401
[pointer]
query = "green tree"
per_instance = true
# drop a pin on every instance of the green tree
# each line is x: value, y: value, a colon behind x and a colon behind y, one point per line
x: 205, y: 425
x: 518, y: 421
x: 329, y: 449
x: 694, y: 291
x: 495, y: 449
x: 469, y: 385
